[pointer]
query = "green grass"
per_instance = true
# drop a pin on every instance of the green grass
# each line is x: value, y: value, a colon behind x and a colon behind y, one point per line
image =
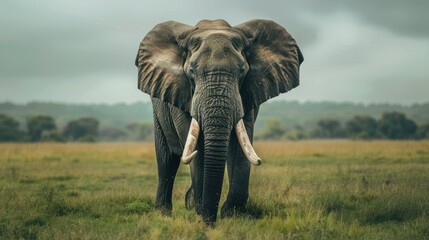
x: 303, y: 190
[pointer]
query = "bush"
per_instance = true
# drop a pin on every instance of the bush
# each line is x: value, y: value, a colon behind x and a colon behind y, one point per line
x: 423, y: 131
x: 112, y: 134
x: 52, y: 136
x: 86, y: 138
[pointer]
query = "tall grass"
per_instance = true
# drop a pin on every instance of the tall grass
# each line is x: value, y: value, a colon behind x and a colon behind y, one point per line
x: 303, y: 190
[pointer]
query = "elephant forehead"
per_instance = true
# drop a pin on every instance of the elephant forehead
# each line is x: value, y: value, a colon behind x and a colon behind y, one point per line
x: 217, y: 34
x: 219, y: 23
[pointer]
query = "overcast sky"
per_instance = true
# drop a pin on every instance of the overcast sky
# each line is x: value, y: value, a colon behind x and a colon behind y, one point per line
x: 83, y: 51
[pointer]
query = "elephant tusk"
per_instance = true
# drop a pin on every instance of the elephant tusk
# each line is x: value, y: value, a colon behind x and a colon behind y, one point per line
x: 245, y: 144
x: 189, y: 158
x: 189, y: 151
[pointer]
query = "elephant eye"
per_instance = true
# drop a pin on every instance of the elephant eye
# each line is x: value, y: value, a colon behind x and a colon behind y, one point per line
x: 194, y: 44
x: 237, y: 43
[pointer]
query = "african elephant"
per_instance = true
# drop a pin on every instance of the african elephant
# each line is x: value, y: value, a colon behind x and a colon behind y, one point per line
x: 206, y: 81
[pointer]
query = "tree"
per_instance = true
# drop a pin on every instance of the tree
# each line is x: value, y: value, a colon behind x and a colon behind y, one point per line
x: 423, y: 131
x: 273, y: 129
x: 296, y: 133
x: 363, y: 127
x: 133, y: 130
x: 140, y: 131
x: 112, y: 134
x: 82, y: 129
x: 9, y: 130
x: 395, y: 125
x: 133, y: 127
x: 38, y: 124
x: 328, y: 128
x: 146, y: 131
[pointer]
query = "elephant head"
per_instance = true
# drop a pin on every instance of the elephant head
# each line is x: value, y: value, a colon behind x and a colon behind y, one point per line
x: 217, y: 73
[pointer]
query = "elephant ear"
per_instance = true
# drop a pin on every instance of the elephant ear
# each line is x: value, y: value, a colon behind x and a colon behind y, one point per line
x: 160, y: 64
x: 274, y: 59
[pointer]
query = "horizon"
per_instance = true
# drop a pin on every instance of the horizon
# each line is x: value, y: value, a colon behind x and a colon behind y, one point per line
x: 83, y: 52
x: 268, y: 102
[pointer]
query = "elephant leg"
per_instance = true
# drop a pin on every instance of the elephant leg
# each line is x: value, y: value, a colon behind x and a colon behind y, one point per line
x: 238, y: 176
x: 167, y: 169
x: 197, y: 173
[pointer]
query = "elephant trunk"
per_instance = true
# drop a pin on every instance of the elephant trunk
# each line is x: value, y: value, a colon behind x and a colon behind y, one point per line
x: 216, y: 142
x: 218, y: 108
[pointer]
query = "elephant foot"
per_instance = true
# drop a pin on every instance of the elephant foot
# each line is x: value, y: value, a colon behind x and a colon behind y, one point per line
x: 230, y: 210
x: 164, y: 209
x: 209, y: 221
x: 211, y: 224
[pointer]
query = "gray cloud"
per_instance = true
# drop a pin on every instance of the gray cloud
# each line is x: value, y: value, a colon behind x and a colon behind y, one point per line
x: 58, y: 37
x: 407, y: 18
x: 84, y: 50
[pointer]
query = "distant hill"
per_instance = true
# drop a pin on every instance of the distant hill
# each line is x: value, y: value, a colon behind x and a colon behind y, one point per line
x: 291, y: 113
x: 109, y: 115
x: 307, y: 114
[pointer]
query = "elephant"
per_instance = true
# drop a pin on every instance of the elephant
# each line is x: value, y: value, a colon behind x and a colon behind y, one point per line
x: 206, y: 83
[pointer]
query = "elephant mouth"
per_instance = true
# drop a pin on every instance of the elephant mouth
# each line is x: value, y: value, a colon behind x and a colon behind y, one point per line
x: 189, y: 151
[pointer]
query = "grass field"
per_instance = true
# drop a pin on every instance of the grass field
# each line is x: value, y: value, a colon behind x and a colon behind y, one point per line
x: 303, y: 190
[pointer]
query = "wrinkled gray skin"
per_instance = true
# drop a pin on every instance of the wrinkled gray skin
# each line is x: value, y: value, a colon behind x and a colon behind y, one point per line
x: 216, y: 74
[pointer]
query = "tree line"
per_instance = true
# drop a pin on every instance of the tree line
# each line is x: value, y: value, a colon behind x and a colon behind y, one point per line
x: 391, y: 125
x: 42, y: 128
x: 291, y: 113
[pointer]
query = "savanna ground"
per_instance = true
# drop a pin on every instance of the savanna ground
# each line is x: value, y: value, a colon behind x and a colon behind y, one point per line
x: 303, y: 190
